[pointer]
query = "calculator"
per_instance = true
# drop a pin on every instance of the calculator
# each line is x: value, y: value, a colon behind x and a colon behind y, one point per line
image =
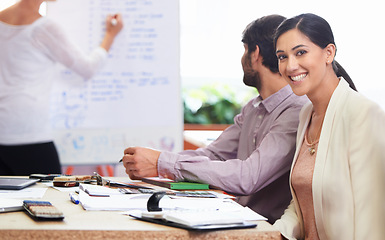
x: 199, y: 194
x: 42, y: 210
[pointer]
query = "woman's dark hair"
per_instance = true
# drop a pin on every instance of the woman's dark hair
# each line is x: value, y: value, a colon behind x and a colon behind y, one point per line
x: 319, y: 32
x: 261, y: 32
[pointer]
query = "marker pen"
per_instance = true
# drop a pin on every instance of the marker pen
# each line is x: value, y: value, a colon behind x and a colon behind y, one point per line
x: 114, y: 21
x: 74, y: 198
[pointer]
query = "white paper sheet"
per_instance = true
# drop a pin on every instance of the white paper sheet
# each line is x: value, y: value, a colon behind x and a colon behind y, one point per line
x: 26, y: 193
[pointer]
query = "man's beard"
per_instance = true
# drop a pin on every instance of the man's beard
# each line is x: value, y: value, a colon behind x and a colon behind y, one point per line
x: 252, y: 79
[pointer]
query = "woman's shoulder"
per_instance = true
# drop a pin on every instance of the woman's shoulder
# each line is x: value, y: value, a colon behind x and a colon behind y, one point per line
x: 359, y: 109
x: 45, y: 22
x: 345, y: 99
x: 358, y: 102
x: 46, y: 28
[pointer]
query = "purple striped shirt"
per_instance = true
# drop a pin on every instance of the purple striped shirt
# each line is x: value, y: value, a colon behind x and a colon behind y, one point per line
x: 250, y: 159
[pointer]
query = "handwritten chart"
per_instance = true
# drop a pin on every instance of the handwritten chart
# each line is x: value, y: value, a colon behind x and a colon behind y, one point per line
x: 135, y: 98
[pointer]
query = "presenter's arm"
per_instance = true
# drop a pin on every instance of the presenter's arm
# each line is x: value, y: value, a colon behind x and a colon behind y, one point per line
x: 53, y: 41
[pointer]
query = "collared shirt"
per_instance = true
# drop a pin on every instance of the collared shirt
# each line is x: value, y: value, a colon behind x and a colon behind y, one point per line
x: 251, y: 158
x: 28, y: 54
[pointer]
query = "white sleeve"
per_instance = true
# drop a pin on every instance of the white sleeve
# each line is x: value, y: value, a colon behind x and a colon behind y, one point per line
x: 367, y: 168
x: 53, y: 41
x: 289, y: 224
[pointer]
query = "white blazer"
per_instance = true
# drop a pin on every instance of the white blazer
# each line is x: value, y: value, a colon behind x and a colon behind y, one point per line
x: 349, y: 172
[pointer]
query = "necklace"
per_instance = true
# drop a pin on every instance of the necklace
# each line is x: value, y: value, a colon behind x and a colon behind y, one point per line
x: 312, y: 148
x: 315, y: 141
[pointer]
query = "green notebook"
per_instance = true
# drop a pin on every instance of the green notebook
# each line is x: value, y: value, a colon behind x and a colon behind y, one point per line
x: 168, y: 183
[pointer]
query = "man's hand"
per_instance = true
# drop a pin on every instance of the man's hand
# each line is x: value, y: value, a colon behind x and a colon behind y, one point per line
x: 141, y: 162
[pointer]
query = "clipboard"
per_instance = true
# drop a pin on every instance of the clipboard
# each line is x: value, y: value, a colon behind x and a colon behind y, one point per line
x: 198, y: 227
x: 192, y: 219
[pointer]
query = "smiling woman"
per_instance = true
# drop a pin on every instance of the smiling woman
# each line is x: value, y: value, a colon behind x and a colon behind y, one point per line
x: 303, y: 32
x: 300, y: 62
x: 339, y: 160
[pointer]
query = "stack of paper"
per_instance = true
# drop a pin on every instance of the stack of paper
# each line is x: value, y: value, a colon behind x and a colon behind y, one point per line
x: 99, y: 191
x: 121, y: 202
x: 189, y: 213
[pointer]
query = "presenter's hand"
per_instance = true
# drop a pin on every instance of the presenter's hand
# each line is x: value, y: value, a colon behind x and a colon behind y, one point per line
x: 141, y: 162
x: 114, y: 25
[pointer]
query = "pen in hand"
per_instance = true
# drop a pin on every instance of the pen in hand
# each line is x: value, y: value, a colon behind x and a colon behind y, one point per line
x: 121, y: 160
x: 114, y: 21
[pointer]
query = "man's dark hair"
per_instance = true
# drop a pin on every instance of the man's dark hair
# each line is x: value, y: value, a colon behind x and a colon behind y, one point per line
x: 261, y: 32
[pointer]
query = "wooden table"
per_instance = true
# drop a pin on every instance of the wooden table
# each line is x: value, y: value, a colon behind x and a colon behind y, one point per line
x: 80, y: 224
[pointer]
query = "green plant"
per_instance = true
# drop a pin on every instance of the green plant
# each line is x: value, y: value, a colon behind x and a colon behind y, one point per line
x: 211, y: 104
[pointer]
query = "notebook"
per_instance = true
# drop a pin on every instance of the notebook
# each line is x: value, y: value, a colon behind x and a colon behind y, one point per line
x: 16, y: 183
x: 10, y: 205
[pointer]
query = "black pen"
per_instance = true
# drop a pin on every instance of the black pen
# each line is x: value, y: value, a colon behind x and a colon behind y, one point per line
x: 121, y: 160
